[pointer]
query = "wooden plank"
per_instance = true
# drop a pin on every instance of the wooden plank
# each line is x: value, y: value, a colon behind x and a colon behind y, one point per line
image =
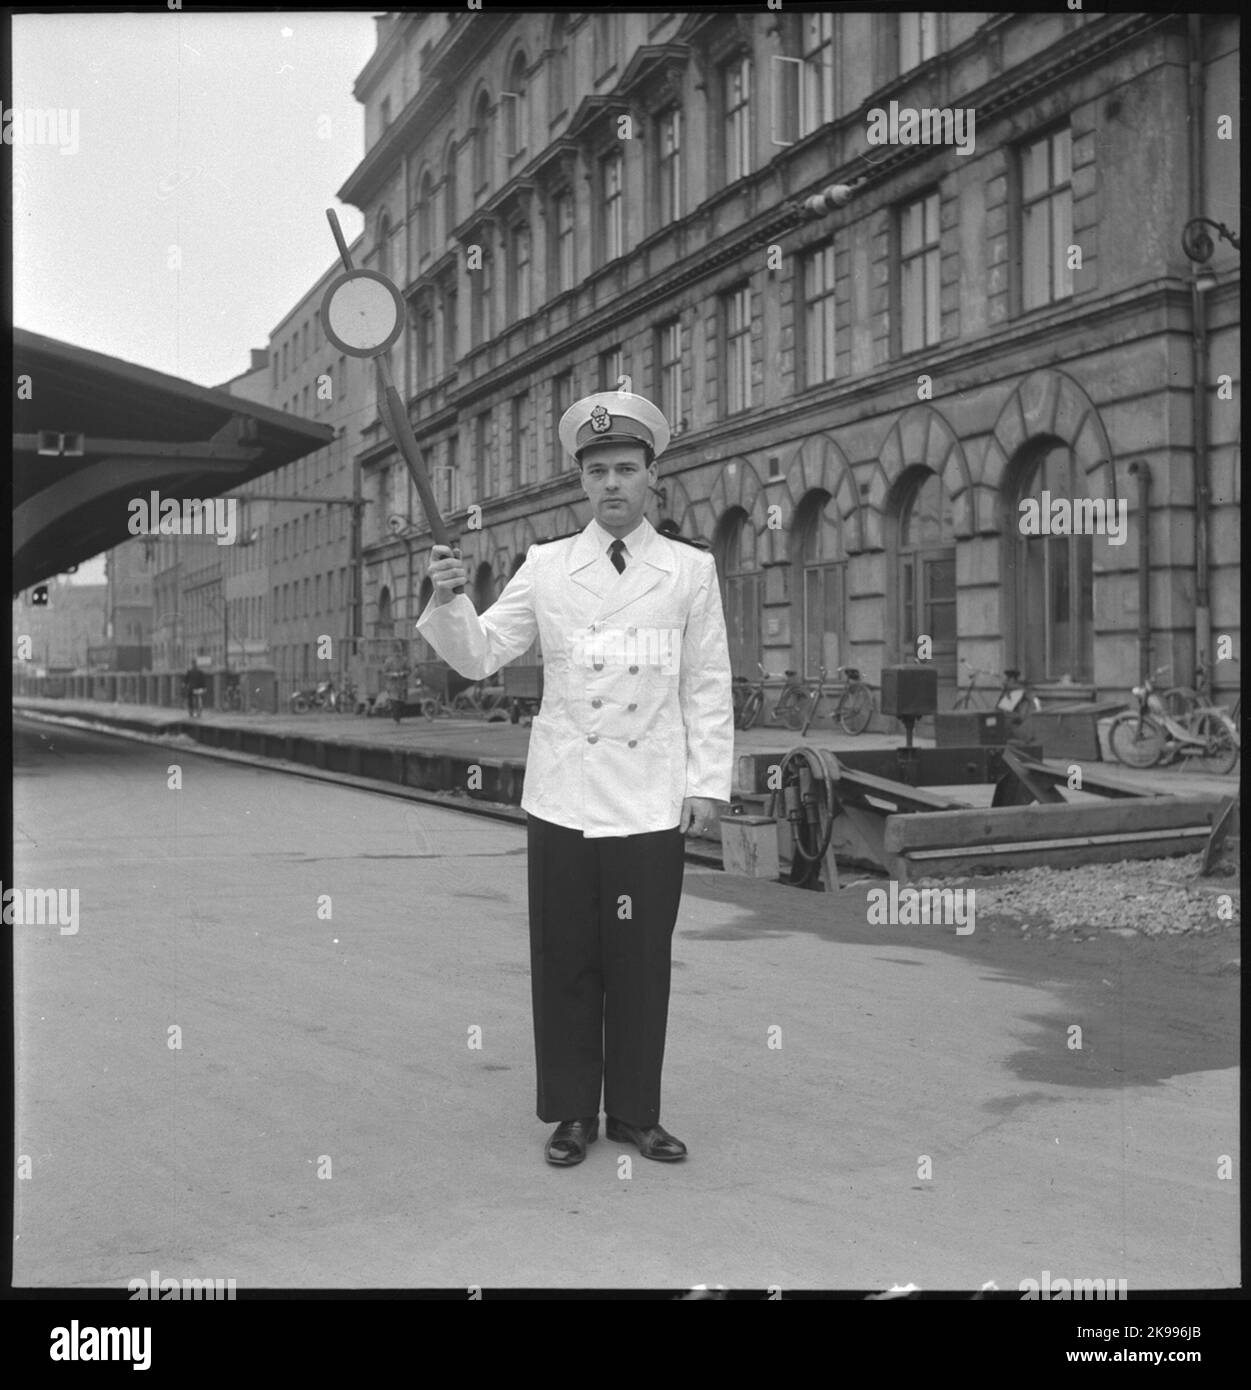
x: 900, y: 794
x: 1004, y: 825
x: 1226, y: 827
x: 964, y: 860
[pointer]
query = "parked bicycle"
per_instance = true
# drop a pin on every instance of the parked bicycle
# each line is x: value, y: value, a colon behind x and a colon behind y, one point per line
x: 322, y: 696
x: 348, y: 702
x: 853, y: 707
x: 1183, y: 702
x: 1147, y: 734
x: 790, y: 707
x: 1014, y: 696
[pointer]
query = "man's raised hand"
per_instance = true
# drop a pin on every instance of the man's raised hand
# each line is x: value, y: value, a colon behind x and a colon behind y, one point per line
x: 446, y: 571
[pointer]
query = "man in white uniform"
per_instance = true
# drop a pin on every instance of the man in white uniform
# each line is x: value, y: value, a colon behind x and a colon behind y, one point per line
x: 633, y: 747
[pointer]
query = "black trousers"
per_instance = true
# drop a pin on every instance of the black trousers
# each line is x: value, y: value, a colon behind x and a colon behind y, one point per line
x: 602, y: 913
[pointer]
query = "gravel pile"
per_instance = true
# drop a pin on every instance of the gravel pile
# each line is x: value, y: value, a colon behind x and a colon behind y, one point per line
x: 1138, y: 897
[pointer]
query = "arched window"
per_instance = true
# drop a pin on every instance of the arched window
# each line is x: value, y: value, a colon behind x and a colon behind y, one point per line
x: 449, y: 192
x: 1053, y: 576
x: 823, y: 563
x: 481, y: 143
x: 926, y: 569
x: 558, y: 70
x: 742, y: 581
x: 516, y: 120
x: 425, y: 219
x: 385, y: 624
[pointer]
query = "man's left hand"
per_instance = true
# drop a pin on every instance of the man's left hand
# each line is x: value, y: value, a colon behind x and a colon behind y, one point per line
x: 699, y: 815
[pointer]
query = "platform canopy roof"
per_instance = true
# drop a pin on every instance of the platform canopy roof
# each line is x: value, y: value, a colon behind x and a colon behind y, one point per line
x: 91, y: 433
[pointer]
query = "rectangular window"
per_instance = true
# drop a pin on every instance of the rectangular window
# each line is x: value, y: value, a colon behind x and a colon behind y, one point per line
x: 918, y: 39
x: 562, y: 399
x: 481, y: 465
x: 669, y: 371
x: 520, y: 246
x: 818, y: 72
x: 450, y: 341
x: 562, y: 260
x: 611, y: 169
x: 823, y: 618
x: 425, y: 346
x: 736, y: 100
x: 484, y: 321
x: 670, y: 165
x: 523, y: 462
x: 819, y: 321
x: 918, y: 273
x: 737, y: 313
x: 610, y: 370
x: 1046, y: 219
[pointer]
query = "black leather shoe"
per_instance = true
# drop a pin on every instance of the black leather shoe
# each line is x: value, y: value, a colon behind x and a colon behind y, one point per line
x: 569, y: 1140
x: 652, y: 1142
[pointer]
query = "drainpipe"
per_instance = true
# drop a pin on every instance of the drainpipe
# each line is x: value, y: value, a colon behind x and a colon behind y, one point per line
x: 1199, y: 354
x: 1140, y: 471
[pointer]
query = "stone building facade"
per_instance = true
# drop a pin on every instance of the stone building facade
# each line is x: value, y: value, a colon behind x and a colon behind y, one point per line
x: 866, y: 386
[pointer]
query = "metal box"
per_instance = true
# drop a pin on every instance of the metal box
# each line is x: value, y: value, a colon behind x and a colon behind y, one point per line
x: 909, y: 690
x: 970, y: 728
x: 1072, y: 731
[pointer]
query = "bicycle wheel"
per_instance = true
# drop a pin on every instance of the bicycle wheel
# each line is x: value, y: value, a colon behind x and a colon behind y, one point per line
x: 299, y: 705
x: 856, y: 709
x: 792, y: 714
x: 1219, y: 754
x: 1136, y: 740
x: 751, y: 710
x: 811, y: 705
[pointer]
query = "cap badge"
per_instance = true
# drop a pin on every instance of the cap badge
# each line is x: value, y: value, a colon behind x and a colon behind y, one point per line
x: 601, y: 421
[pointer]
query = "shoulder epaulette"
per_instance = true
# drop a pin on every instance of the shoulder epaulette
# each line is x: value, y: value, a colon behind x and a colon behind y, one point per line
x: 686, y: 540
x: 547, y: 540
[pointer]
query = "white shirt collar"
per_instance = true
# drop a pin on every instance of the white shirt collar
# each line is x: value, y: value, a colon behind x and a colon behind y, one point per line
x: 632, y: 541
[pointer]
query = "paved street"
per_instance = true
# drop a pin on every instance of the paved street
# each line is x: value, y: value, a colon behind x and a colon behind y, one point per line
x: 325, y: 1124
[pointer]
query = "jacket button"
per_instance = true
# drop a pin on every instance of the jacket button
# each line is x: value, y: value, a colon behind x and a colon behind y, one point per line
x: 632, y: 707
x: 599, y: 665
x: 595, y: 704
x: 634, y: 743
x: 592, y: 738
x: 634, y: 670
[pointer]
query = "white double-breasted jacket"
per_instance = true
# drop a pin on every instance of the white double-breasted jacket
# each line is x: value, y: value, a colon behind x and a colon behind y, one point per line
x: 636, y: 711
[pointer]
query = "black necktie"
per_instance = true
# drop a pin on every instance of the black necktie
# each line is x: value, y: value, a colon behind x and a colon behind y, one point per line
x: 614, y: 551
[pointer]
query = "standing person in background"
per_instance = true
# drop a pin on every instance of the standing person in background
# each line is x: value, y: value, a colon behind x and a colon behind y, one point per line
x: 193, y: 683
x: 632, y: 748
